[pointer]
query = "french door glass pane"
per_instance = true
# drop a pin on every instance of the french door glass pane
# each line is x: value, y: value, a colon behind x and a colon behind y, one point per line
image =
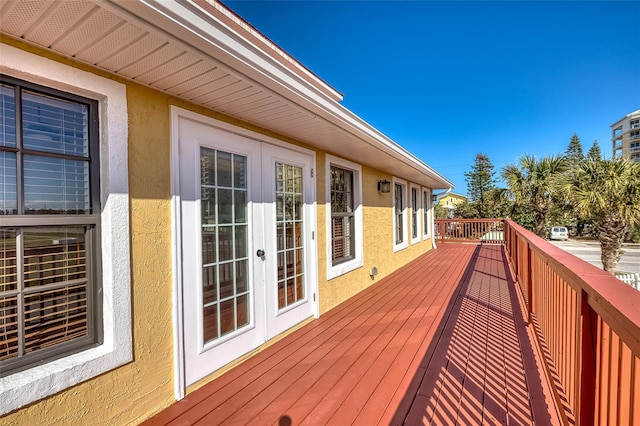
x: 225, y: 243
x: 289, y: 226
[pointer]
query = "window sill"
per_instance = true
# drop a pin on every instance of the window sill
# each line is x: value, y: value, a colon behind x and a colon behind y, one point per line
x: 344, y: 268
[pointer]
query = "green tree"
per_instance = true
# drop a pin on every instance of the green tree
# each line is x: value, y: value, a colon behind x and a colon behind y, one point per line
x: 497, y: 203
x: 467, y: 210
x: 594, y: 152
x: 608, y: 193
x: 440, y: 212
x: 535, y: 186
x: 574, y: 154
x: 480, y: 180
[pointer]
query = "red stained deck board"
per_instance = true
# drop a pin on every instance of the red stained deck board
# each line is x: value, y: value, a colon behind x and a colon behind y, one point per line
x: 435, y: 341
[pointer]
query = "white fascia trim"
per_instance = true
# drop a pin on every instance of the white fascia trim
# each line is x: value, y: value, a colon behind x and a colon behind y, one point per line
x: 405, y: 232
x: 418, y: 237
x: 334, y: 271
x: 194, y: 27
x: 24, y: 387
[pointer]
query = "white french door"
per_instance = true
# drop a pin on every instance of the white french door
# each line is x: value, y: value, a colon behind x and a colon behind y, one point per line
x: 247, y: 234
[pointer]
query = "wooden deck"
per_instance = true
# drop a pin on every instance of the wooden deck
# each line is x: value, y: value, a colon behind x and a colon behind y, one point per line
x: 441, y: 341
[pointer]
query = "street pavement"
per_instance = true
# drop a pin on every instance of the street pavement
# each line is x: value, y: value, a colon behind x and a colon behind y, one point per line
x: 590, y: 252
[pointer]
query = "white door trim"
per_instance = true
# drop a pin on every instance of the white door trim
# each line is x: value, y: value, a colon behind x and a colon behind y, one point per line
x: 177, y: 114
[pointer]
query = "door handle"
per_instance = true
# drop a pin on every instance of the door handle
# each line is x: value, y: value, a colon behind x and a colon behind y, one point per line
x: 260, y: 254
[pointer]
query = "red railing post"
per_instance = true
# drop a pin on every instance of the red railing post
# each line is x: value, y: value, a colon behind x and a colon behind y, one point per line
x: 586, y: 364
x: 529, y: 279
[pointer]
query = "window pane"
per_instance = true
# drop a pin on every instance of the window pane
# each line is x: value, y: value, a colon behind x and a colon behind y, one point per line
x: 225, y: 206
x: 8, y: 194
x: 239, y: 172
x: 8, y: 273
x: 54, y: 185
x: 9, y: 330
x: 7, y: 116
x: 224, y: 169
x: 55, y: 125
x: 54, y: 314
x: 54, y: 255
x: 240, y: 207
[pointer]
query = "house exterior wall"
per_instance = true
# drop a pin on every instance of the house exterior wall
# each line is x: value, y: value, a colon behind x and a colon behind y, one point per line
x: 378, y: 241
x: 141, y: 388
x: 449, y: 201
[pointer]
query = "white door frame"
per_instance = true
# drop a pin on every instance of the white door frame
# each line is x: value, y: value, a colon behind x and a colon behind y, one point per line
x: 178, y: 114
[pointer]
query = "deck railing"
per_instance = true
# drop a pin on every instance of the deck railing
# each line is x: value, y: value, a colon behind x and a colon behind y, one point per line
x: 469, y: 230
x: 586, y: 322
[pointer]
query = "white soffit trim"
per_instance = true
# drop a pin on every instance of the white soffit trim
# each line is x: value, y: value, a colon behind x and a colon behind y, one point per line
x: 191, y: 25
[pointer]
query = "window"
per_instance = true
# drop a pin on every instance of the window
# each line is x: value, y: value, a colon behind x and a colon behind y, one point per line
x: 635, y: 146
x: 342, y: 209
x: 634, y: 135
x: 416, y: 214
x: 617, y: 131
x: 62, y: 243
x: 617, y: 143
x: 400, y: 214
x: 634, y: 124
x: 344, y: 216
x: 426, y: 213
x: 49, y: 198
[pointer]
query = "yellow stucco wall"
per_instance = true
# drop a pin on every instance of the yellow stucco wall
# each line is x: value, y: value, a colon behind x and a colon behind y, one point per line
x: 378, y: 240
x: 131, y: 393
x: 451, y: 200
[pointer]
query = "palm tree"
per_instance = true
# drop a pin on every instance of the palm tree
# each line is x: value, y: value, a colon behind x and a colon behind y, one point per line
x: 535, y: 185
x: 607, y: 192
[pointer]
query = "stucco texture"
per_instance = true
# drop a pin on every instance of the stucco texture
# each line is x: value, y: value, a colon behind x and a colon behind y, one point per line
x: 378, y: 241
x: 133, y: 392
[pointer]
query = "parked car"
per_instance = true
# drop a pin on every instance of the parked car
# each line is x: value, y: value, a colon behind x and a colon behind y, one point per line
x: 559, y: 233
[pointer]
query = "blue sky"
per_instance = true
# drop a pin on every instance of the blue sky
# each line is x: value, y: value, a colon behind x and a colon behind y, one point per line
x: 447, y: 80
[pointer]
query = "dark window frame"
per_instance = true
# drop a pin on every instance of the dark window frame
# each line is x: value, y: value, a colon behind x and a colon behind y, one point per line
x: 343, y: 216
x: 399, y: 207
x: 21, y: 220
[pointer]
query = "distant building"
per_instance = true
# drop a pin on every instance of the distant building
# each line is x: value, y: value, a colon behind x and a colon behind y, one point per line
x: 625, y: 139
x: 450, y: 200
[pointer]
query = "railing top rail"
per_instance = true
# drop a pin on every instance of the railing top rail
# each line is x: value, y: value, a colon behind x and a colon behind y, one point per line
x: 487, y: 231
x: 470, y: 220
x: 617, y: 303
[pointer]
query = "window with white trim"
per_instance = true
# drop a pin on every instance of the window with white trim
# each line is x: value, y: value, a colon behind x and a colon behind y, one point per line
x: 400, y: 233
x: 344, y: 216
x: 50, y: 203
x: 416, y: 214
x: 426, y: 212
x: 65, y: 280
